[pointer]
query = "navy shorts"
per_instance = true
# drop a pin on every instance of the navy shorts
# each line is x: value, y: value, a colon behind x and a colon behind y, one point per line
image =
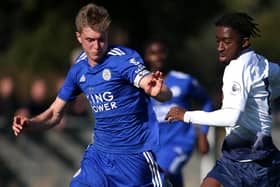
x: 247, y: 174
x: 99, y: 169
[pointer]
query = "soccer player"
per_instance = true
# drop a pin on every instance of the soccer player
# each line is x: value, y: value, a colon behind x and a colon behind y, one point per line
x: 250, y: 83
x: 177, y: 141
x: 118, y: 87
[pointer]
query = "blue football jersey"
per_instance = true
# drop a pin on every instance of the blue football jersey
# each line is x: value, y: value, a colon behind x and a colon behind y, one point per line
x: 183, y: 87
x: 124, y: 122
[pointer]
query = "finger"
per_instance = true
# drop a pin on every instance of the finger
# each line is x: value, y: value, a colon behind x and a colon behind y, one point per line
x: 167, y: 116
x: 18, y: 126
x: 160, y: 74
x: 16, y: 134
x: 17, y: 119
x: 170, y: 119
x: 16, y: 129
x: 157, y: 74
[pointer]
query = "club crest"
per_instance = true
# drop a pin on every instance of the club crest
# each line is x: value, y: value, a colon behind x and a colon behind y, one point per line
x: 106, y: 74
x: 235, y: 88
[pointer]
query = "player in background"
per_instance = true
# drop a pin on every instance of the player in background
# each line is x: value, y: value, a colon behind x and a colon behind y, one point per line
x: 250, y: 82
x: 118, y: 87
x: 177, y: 141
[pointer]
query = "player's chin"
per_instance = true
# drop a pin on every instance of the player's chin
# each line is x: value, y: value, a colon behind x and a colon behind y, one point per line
x: 223, y: 59
x: 95, y: 58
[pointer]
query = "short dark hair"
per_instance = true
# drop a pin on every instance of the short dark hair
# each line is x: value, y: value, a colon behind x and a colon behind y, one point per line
x: 241, y: 22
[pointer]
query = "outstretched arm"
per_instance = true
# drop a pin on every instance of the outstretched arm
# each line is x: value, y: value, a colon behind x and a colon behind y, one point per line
x: 221, y: 118
x: 45, y: 120
x: 154, y: 86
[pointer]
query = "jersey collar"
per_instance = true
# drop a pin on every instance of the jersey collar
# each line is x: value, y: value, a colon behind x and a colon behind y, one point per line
x: 248, y: 49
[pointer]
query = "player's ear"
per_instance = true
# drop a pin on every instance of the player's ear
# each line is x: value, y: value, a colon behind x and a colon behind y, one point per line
x: 245, y: 42
x: 78, y: 36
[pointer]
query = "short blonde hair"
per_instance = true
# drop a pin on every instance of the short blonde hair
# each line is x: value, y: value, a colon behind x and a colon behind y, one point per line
x: 93, y: 16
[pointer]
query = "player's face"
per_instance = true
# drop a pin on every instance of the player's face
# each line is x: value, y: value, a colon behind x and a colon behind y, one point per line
x: 155, y: 56
x: 94, y: 43
x: 228, y: 43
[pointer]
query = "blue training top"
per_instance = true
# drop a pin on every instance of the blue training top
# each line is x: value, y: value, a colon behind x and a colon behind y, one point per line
x: 124, y: 122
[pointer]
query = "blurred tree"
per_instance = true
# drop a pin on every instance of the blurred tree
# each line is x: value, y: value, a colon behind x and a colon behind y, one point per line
x: 39, y: 35
x: 199, y: 56
x: 45, y: 48
x: 269, y: 20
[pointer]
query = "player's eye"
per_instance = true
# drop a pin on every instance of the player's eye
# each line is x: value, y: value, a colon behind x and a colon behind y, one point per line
x: 89, y: 40
x: 227, y: 41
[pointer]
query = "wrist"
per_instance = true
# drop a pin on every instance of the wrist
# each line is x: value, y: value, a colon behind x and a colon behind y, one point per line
x: 187, y: 118
x: 28, y: 123
x: 165, y: 93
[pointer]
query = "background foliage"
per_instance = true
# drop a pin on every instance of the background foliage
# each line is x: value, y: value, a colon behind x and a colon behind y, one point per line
x: 37, y: 37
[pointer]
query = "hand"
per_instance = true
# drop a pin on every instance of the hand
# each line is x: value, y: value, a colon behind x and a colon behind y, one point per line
x: 175, y: 113
x: 155, y: 84
x: 19, y: 123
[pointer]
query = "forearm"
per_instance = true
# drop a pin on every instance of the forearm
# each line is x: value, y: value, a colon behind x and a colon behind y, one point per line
x: 207, y: 107
x: 219, y: 118
x: 49, y: 118
x: 45, y: 120
x: 164, y: 95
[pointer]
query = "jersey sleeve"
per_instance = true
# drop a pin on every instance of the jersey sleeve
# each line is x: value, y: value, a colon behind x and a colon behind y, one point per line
x: 69, y: 90
x: 132, y: 68
x: 236, y: 85
x: 199, y: 94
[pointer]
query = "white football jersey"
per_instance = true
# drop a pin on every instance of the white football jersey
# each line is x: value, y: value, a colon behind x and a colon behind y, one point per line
x: 249, y: 84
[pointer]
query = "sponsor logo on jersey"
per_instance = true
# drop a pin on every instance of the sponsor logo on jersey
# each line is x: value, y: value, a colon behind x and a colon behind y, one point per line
x: 101, y: 102
x: 106, y: 74
x: 235, y: 88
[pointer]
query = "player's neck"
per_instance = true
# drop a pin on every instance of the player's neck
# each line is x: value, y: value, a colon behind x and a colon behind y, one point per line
x: 92, y: 63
